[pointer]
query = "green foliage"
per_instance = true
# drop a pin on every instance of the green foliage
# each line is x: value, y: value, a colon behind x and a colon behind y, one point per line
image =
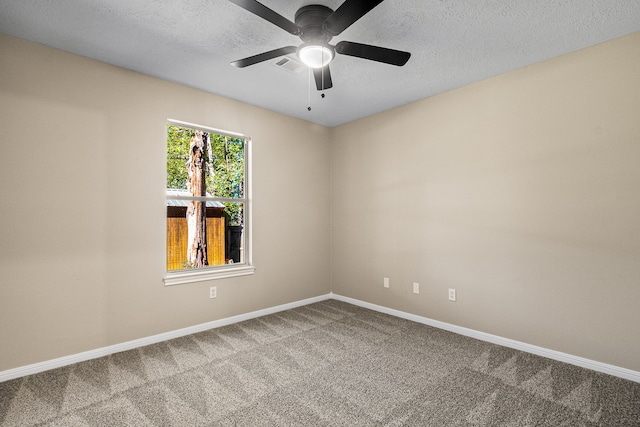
x: 188, y: 264
x: 224, y: 171
x: 227, y: 178
x: 178, y: 139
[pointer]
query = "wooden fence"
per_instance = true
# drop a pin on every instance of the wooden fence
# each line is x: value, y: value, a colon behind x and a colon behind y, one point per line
x: 177, y: 232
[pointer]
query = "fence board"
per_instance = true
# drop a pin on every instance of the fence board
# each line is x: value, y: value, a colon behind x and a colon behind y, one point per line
x: 177, y: 232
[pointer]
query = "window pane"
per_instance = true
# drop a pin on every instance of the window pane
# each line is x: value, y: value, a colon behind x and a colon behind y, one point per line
x: 195, y: 156
x: 223, y: 240
x: 226, y: 167
x: 235, y: 233
x: 178, y: 140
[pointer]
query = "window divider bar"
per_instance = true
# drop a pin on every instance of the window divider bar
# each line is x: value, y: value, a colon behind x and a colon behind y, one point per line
x: 209, y: 199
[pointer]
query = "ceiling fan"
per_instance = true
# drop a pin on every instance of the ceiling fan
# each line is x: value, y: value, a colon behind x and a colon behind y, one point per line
x: 316, y: 25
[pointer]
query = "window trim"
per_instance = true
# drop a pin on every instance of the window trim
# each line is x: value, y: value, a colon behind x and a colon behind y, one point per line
x: 178, y: 277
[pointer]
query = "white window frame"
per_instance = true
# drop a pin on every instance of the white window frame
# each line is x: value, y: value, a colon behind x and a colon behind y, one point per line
x: 227, y: 270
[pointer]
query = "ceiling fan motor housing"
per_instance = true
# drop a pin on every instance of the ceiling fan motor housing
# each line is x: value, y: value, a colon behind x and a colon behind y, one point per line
x: 309, y: 20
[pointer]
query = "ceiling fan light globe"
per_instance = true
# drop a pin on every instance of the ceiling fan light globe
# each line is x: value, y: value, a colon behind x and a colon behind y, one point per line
x: 315, y: 55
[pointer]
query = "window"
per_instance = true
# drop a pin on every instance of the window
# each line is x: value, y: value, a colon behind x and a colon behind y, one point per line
x: 208, y: 210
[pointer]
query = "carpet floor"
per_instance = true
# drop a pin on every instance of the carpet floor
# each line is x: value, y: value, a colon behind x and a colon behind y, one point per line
x: 324, y: 364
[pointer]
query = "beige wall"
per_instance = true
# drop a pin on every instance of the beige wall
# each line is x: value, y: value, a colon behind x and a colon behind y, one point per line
x: 82, y: 178
x: 522, y: 192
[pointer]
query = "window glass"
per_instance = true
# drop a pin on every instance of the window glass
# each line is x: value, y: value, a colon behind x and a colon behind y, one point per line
x: 206, y: 203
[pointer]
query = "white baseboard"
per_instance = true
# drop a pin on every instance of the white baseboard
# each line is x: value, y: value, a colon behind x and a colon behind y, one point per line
x: 35, y: 368
x: 605, y: 368
x: 129, y: 345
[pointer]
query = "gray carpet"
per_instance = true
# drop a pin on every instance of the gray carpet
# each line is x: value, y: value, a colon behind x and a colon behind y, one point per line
x: 325, y: 364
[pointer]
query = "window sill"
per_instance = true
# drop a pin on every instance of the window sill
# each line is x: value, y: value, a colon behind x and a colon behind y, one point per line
x: 179, y: 278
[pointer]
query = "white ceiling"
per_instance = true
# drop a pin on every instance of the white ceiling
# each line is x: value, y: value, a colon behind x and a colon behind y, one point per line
x: 453, y: 43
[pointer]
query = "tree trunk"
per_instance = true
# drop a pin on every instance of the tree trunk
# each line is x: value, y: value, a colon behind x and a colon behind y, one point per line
x: 197, y: 210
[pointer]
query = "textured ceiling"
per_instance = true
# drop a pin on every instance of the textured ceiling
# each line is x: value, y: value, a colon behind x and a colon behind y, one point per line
x: 453, y: 43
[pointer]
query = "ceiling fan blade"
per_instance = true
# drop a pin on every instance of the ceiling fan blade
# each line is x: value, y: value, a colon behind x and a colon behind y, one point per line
x: 348, y: 13
x: 374, y: 53
x: 261, y: 57
x: 323, y: 78
x: 264, y: 12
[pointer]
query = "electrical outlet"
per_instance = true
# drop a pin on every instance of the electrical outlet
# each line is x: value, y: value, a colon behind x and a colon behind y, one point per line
x: 213, y: 292
x: 386, y: 282
x: 416, y: 288
x: 452, y: 294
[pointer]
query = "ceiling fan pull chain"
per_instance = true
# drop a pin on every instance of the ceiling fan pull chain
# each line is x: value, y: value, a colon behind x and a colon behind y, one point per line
x: 322, y: 70
x: 309, y: 107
